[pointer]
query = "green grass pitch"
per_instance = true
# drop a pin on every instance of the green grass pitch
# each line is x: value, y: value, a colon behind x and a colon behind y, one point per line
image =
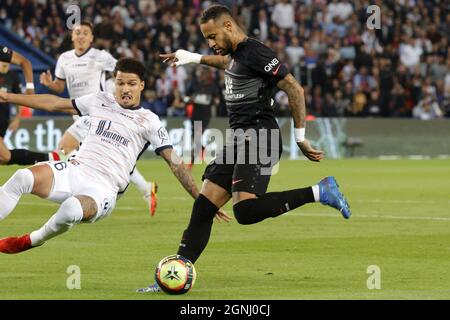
x: 400, y: 223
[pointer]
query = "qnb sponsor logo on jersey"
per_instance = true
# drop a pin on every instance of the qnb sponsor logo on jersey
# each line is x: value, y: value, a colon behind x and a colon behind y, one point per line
x: 272, y: 64
x: 103, y: 130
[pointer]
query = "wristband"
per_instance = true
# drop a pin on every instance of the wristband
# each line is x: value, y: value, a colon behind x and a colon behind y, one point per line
x: 299, y: 134
x: 186, y: 57
x: 30, y: 86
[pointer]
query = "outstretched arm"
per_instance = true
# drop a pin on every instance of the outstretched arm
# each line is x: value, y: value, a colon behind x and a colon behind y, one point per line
x: 180, y: 172
x: 187, y: 181
x: 181, y: 57
x: 46, y: 102
x: 297, y: 105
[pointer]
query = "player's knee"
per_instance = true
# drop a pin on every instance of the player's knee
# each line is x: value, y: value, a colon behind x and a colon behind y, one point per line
x: 23, y: 180
x: 243, y: 211
x: 5, y: 156
x: 70, y: 212
x: 89, y: 207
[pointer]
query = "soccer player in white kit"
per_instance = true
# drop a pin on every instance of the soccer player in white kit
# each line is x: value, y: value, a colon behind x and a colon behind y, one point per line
x: 87, y: 186
x: 84, y: 69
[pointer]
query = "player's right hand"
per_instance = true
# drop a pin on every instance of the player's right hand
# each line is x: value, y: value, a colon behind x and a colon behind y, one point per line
x: 46, y: 78
x: 309, y: 152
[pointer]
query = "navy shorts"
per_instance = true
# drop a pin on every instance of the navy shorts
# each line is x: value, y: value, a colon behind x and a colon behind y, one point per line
x: 245, y: 163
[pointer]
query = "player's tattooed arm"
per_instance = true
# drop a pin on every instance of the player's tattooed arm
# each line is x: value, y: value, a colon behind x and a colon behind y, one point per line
x: 46, y: 102
x: 296, y: 97
x: 180, y: 172
x: 297, y: 105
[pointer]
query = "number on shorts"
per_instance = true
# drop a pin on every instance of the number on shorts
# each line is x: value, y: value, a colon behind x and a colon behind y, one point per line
x: 60, y: 166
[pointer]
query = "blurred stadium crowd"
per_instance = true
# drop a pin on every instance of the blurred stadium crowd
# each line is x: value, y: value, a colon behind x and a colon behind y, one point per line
x: 400, y: 70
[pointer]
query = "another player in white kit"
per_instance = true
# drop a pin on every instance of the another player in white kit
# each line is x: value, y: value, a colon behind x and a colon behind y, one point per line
x: 88, y: 185
x: 84, y: 70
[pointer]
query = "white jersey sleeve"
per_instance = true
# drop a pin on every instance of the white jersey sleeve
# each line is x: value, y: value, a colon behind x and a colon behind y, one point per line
x: 59, y: 70
x: 83, y: 104
x: 157, y: 136
x: 107, y: 61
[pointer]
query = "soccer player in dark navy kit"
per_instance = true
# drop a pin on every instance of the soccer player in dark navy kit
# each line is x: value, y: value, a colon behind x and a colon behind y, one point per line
x: 252, y: 74
x: 10, y: 82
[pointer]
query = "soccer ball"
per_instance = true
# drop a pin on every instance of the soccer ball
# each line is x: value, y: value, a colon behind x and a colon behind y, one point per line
x: 175, y: 274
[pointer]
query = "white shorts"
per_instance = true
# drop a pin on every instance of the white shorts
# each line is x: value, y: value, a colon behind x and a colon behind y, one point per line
x: 80, y: 128
x: 69, y: 181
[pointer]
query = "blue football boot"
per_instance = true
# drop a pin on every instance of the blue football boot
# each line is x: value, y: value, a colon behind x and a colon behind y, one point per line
x: 331, y: 196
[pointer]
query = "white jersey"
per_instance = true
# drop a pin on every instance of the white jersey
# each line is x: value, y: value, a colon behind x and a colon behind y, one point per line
x: 84, y: 74
x: 116, y: 139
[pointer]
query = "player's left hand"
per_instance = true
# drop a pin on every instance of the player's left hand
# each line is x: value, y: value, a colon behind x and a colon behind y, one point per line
x: 221, y: 215
x: 29, y: 91
x: 309, y: 152
x: 14, y: 125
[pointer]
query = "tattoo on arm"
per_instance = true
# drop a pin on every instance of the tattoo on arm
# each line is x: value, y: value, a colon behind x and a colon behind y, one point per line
x: 180, y: 172
x: 296, y: 98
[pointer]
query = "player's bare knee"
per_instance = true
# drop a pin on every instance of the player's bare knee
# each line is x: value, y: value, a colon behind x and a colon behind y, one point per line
x: 4, y: 158
x: 42, y: 180
x: 89, y: 207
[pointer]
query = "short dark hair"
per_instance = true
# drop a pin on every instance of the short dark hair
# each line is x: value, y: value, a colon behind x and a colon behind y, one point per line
x: 130, y: 65
x: 86, y: 24
x: 214, y: 12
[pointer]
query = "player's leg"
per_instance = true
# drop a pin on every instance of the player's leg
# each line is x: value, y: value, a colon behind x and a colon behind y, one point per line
x: 22, y: 156
x: 36, y: 180
x: 249, y: 208
x: 81, y: 201
x: 251, y: 203
x: 146, y: 188
x: 72, y: 211
x: 89, y: 203
x: 196, y: 236
x: 214, y: 194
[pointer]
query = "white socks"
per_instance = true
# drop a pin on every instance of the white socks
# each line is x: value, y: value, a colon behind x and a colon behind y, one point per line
x: 69, y: 213
x: 316, y: 193
x: 140, y: 182
x: 21, y: 182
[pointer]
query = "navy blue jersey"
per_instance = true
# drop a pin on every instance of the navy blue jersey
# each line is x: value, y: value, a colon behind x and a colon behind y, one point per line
x: 250, y: 83
x: 5, y: 54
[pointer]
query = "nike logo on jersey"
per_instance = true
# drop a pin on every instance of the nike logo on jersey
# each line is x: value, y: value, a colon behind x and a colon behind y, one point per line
x: 236, y: 181
x: 276, y: 70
